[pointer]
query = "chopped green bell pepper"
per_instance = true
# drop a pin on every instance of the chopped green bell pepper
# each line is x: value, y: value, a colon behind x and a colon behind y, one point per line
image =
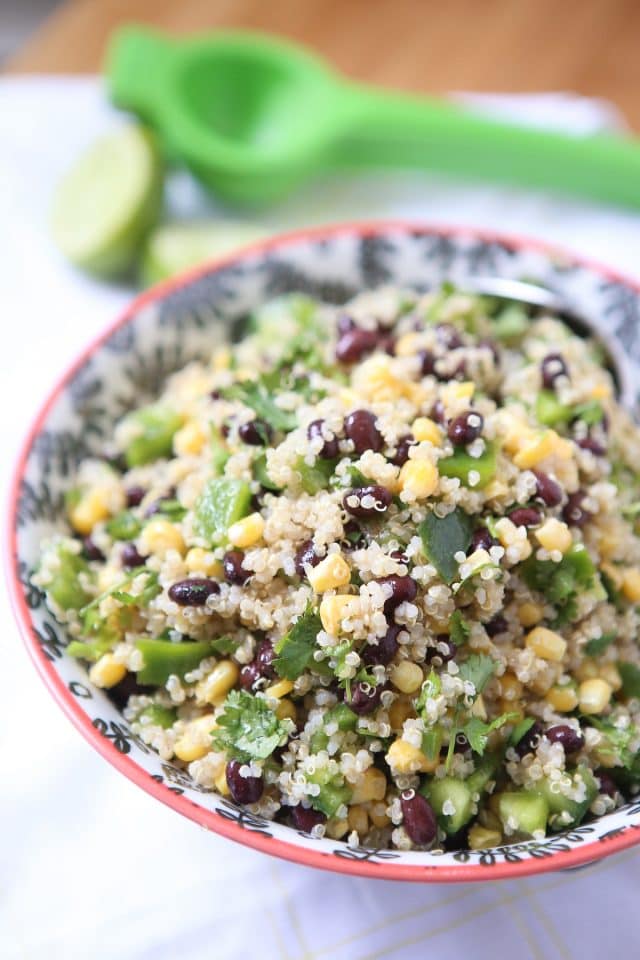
x: 153, y: 429
x: 65, y: 588
x: 550, y: 411
x: 156, y: 716
x: 222, y: 502
x: 163, y: 658
x: 460, y: 464
x: 124, y: 526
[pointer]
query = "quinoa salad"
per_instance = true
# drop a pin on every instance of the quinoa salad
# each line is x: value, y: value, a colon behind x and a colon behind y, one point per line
x: 374, y: 572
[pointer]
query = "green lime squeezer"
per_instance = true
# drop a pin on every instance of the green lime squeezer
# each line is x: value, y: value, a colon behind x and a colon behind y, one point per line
x: 253, y: 116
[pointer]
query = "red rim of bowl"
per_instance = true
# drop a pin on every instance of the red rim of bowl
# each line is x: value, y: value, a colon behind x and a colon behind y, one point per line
x: 307, y: 856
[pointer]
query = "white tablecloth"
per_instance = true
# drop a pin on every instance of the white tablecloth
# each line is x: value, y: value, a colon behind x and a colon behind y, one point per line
x: 90, y: 866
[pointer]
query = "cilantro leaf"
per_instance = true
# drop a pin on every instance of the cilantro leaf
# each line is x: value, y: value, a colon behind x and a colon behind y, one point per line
x: 430, y: 689
x: 443, y: 537
x: 630, y: 675
x: 561, y: 582
x: 295, y: 648
x: 254, y: 394
x: 477, y: 731
x: 597, y: 645
x: 617, y: 740
x: 248, y: 728
x: 477, y: 669
x: 432, y: 742
x: 459, y: 629
x: 224, y: 645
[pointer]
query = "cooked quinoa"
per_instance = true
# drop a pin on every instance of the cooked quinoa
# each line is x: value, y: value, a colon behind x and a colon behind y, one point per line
x: 374, y: 572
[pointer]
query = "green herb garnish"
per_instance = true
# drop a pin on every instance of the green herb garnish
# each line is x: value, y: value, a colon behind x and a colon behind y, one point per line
x: 443, y: 537
x: 295, y: 649
x: 248, y: 728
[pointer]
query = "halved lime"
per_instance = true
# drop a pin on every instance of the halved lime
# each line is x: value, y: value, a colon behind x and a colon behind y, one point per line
x: 108, y: 201
x: 178, y: 246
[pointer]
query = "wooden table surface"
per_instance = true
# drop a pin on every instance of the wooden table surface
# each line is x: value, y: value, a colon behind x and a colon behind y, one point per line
x: 591, y: 47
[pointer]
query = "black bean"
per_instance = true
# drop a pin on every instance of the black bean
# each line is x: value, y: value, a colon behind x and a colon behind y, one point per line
x: 403, y: 446
x: 496, y: 625
x: 135, y: 496
x: 330, y: 448
x: 129, y: 556
x: 552, y: 367
x: 525, y: 517
x: 590, y: 443
x: 127, y: 687
x: 530, y: 740
x: 354, y: 536
x: 305, y: 554
x: 256, y: 432
x: 387, y: 344
x: 573, y: 512
x: 419, y: 818
x: 427, y: 362
x: 466, y: 428
x: 461, y: 744
x: 193, y: 592
x: 435, y: 653
x: 547, y: 489
x: 437, y: 412
x: 449, y: 336
x: 571, y: 739
x: 402, y: 589
x: 249, y: 675
x: 264, y: 659
x: 345, y: 324
x: 360, y: 427
x: 91, y: 551
x: 385, y: 649
x: 364, y: 697
x: 243, y: 789
x: 607, y: 783
x: 353, y: 345
x: 482, y: 540
x: 234, y: 572
x: 306, y: 818
x: 215, y: 395
x: 366, y: 501
x: 117, y: 461
x: 399, y: 556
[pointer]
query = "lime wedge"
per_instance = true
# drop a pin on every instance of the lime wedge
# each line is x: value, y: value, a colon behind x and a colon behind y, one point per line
x: 176, y: 247
x: 108, y: 201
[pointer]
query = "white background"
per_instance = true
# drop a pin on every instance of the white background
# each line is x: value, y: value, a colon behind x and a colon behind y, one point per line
x: 92, y: 867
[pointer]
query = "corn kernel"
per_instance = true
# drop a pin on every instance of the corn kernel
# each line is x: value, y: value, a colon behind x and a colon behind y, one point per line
x: 510, y: 687
x: 195, y: 742
x: 495, y: 490
x: 613, y: 573
x: 407, y: 676
x: 378, y: 815
x: 587, y: 669
x: 594, y: 695
x: 407, y: 344
x: 221, y: 359
x: 457, y: 391
x: 279, y: 689
x: 419, y: 477
x: 286, y: 710
x: 220, y: 783
x: 631, y: 584
x: 403, y: 757
x: 159, y: 536
x: 189, y: 439
x: 478, y: 708
x: 535, y: 450
x: 530, y: 613
x: 332, y: 572
x: 425, y: 429
x: 601, y: 391
x: 563, y: 699
x: 202, y: 561
x: 375, y: 379
x: 372, y: 785
x: 611, y: 675
x: 214, y: 688
x: 515, y: 431
x: 337, y: 829
x: 481, y: 838
x: 107, y: 671
x: 246, y: 532
x: 91, y: 508
x: 358, y: 820
x: 546, y: 644
x: 399, y: 711
x: 333, y: 610
x: 609, y: 542
x: 554, y: 535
